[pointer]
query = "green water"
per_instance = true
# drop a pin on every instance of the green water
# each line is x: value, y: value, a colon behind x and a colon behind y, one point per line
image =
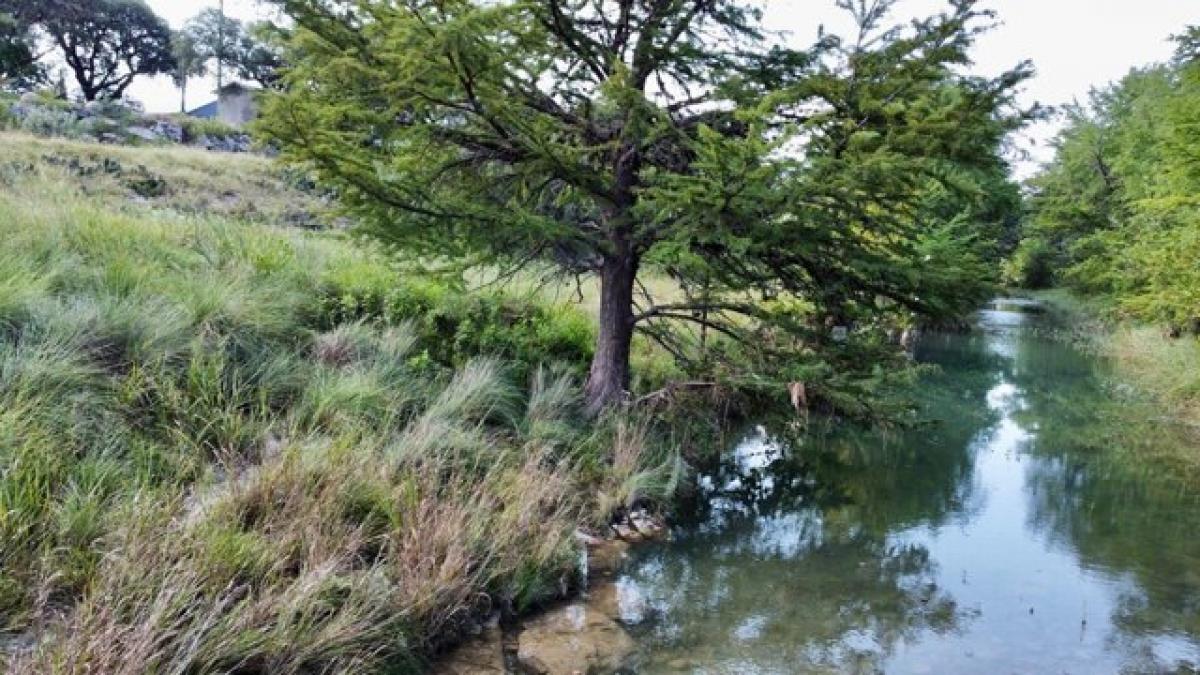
x: 1012, y: 537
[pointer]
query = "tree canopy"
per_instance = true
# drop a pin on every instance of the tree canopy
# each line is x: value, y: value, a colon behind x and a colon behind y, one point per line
x: 106, y: 44
x: 249, y: 50
x: 216, y: 37
x: 780, y: 189
x: 1116, y: 212
x: 259, y: 58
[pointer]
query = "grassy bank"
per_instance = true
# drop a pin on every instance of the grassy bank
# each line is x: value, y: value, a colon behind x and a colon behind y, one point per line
x: 231, y: 444
x: 1152, y: 369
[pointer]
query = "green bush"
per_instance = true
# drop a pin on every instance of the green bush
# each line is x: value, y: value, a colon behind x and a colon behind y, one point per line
x: 49, y: 98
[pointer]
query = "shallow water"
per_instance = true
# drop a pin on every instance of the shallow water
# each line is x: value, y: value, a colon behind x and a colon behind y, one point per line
x: 1004, y: 539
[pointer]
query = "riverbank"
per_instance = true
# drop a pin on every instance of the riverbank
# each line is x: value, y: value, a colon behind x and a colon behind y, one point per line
x: 235, y: 441
x: 1151, y: 368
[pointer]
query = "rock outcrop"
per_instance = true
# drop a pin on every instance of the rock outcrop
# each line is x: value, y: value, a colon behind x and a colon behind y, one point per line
x: 577, y: 639
x: 116, y: 123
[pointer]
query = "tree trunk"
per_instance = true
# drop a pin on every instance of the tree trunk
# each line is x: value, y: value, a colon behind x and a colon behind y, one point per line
x: 183, y: 98
x: 608, y: 380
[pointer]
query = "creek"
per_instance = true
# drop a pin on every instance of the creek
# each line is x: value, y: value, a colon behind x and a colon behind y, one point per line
x: 1012, y: 536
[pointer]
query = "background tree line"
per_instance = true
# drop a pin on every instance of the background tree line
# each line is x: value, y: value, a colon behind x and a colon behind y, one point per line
x: 106, y: 44
x: 1116, y: 214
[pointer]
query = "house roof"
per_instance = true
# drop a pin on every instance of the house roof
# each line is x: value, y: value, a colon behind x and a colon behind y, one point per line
x: 207, y: 111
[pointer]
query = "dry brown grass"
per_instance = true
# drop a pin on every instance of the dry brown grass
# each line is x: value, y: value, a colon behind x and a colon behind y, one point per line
x: 173, y: 178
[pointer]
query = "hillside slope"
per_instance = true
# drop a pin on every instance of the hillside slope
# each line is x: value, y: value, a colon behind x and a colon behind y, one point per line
x: 235, y: 445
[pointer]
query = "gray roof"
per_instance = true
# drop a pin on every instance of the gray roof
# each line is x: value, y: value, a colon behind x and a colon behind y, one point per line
x: 208, y: 111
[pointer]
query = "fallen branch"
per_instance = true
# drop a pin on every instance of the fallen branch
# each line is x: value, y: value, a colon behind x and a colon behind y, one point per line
x: 669, y: 391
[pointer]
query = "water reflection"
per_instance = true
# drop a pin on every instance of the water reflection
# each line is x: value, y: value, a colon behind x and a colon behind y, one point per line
x: 1001, y: 540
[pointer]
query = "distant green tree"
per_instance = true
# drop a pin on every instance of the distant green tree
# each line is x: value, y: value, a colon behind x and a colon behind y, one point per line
x: 189, y: 63
x: 1187, y: 46
x: 259, y: 56
x: 778, y: 188
x: 217, y: 37
x: 20, y: 64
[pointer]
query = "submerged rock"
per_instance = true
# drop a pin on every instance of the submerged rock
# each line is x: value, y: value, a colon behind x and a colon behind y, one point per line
x: 606, y: 557
x: 573, y: 639
x: 481, y: 655
x: 621, y: 601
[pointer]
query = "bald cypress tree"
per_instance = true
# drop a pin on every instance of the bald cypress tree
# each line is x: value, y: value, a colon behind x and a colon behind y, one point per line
x: 612, y: 137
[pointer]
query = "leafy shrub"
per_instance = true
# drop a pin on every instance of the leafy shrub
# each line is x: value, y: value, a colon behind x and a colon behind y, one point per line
x: 117, y: 111
x: 50, y: 122
x: 49, y: 99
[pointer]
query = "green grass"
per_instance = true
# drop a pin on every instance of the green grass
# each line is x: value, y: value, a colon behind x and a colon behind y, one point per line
x: 231, y: 445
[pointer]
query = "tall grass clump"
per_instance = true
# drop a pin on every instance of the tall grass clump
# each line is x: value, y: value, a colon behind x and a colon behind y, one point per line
x: 226, y: 447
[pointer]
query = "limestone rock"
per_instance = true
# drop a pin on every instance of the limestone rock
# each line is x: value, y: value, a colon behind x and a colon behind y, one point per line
x: 143, y: 133
x: 626, y: 532
x: 648, y: 526
x: 169, y: 130
x: 573, y: 639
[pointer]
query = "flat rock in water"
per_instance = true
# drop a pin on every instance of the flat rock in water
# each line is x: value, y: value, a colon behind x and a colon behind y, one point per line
x: 576, y: 639
x: 481, y: 655
x: 622, y: 602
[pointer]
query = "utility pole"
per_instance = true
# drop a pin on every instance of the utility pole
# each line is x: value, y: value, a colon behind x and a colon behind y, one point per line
x: 221, y: 48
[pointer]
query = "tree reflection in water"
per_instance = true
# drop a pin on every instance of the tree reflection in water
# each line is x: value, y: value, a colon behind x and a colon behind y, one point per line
x: 930, y: 550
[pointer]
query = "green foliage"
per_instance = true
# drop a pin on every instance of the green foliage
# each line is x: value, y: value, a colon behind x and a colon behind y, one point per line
x: 215, y: 35
x: 1031, y: 266
x: 7, y: 101
x: 189, y: 62
x: 1117, y: 207
x: 50, y: 123
x: 618, y: 139
x: 259, y: 55
x: 252, y: 51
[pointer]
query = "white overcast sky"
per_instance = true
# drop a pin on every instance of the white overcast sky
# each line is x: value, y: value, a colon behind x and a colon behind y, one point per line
x: 1074, y: 44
